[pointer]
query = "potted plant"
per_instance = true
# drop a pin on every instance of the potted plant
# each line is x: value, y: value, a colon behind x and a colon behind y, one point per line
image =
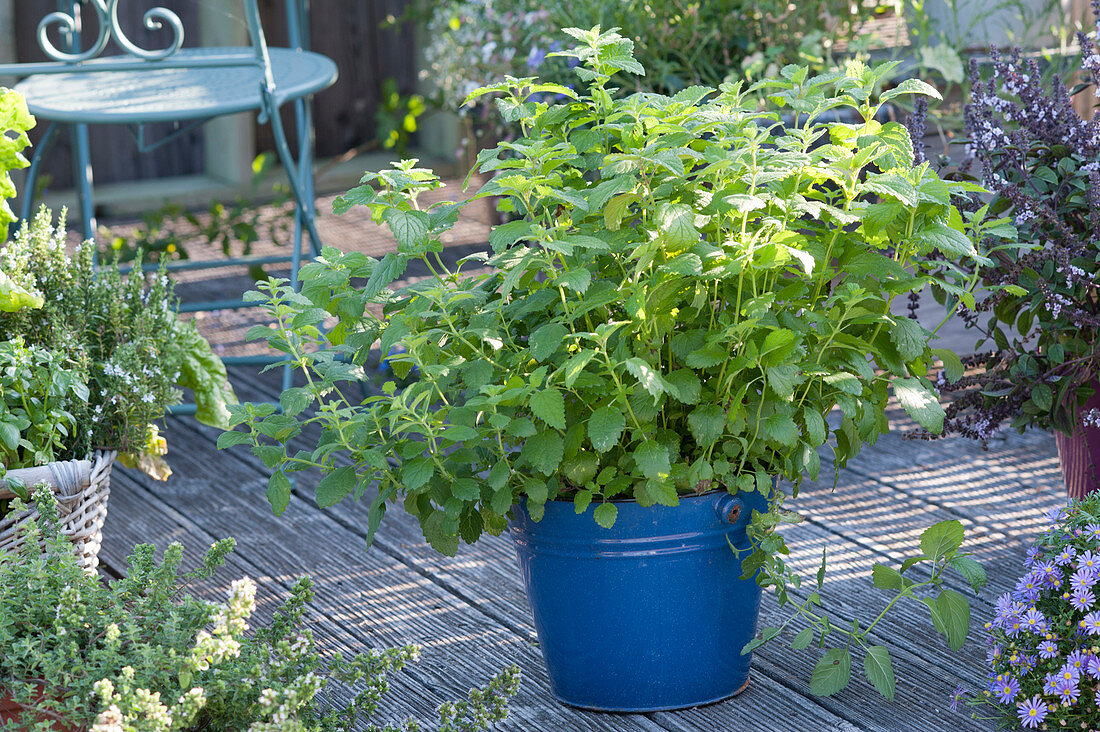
x: 90, y: 360
x: 1041, y: 160
x: 1041, y: 641
x: 137, y: 654
x: 689, y: 291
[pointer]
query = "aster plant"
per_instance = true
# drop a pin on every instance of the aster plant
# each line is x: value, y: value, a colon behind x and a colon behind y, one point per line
x: 1044, y: 637
x: 1041, y: 160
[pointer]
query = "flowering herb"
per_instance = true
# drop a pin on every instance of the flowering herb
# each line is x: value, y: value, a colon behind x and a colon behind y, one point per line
x: 1042, y: 162
x: 119, y: 336
x: 139, y: 655
x: 1044, y: 638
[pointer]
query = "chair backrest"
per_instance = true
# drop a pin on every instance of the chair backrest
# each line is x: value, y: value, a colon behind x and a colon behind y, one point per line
x: 66, y: 20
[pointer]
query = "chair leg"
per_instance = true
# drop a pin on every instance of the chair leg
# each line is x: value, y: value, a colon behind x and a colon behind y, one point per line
x: 296, y: 173
x: 82, y: 179
x: 29, y: 188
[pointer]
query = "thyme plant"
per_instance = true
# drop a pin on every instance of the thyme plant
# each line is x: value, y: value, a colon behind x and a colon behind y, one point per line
x: 141, y: 655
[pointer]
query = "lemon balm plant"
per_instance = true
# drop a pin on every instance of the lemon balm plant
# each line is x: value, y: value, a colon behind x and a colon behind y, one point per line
x: 690, y: 287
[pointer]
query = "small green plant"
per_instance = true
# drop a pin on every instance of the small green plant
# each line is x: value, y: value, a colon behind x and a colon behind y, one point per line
x: 949, y: 609
x: 140, y: 655
x: 116, y: 338
x: 15, y: 120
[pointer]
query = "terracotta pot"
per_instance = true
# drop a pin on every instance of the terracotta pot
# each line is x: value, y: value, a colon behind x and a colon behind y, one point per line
x: 1079, y: 454
x: 10, y: 711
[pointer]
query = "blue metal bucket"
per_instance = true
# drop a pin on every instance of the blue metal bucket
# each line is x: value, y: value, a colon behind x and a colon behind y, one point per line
x: 649, y: 615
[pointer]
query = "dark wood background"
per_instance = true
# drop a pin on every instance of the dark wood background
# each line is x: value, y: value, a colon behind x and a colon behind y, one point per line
x: 348, y: 31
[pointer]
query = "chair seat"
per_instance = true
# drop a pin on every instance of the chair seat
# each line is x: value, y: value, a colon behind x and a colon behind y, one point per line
x: 173, y: 94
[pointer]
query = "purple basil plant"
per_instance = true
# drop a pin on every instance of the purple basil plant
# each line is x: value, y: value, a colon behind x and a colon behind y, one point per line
x: 1043, y: 642
x: 1041, y: 160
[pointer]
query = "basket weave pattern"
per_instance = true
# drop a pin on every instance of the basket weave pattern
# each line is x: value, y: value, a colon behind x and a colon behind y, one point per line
x: 81, y: 488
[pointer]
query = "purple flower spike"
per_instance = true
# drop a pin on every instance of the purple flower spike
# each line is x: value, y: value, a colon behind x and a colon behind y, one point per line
x: 1031, y: 712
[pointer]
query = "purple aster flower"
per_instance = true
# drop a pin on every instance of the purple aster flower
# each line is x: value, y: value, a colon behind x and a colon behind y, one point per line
x: 1031, y: 712
x: 1007, y: 690
x: 1026, y: 663
x: 1089, y: 560
x: 1078, y: 660
x: 1028, y: 587
x: 1065, y: 556
x: 1050, y: 684
x: 1082, y: 599
x: 1083, y: 578
x: 1068, y: 691
x: 1032, y: 557
x: 1067, y: 673
x: 1092, y: 668
x: 1054, y: 515
x: 1093, y: 530
x: 1066, y: 596
x: 1047, y: 650
x: 958, y: 696
x: 1034, y: 621
x: 1090, y: 623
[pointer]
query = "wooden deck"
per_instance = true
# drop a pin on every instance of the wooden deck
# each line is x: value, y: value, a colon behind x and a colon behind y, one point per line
x: 471, y: 616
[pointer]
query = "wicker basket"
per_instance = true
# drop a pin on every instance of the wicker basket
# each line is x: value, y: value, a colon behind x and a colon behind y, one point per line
x: 82, y: 488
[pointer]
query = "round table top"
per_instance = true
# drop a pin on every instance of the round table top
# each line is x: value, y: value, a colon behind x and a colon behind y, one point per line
x: 172, y: 94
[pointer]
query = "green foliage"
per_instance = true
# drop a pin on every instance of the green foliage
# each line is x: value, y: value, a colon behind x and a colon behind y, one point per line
x: 948, y: 609
x: 397, y: 115
x: 690, y: 288
x: 117, y: 350
x: 140, y: 655
x: 15, y: 120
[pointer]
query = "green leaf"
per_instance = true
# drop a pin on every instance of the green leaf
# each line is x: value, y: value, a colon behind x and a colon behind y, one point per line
x: 832, y: 672
x: 707, y: 423
x: 652, y: 460
x: 278, y: 491
x: 952, y: 365
x: 920, y: 402
x: 549, y: 406
x: 410, y: 228
x: 910, y: 338
x: 847, y: 383
x: 416, y: 472
x: 815, y: 427
x: 547, y: 339
x: 942, y: 538
x: 946, y: 239
x: 336, y: 486
x: 575, y: 366
x: 879, y: 670
x: 951, y: 617
x: 605, y: 514
x: 910, y: 86
x: 650, y: 379
x: 385, y: 272
x: 971, y: 570
x: 225, y: 439
x: 781, y: 428
x: 887, y: 578
x: 803, y: 639
x: 761, y: 638
x: 605, y: 426
x: 782, y: 380
x: 295, y: 400
x: 686, y: 386
x: 1043, y: 396
x: 677, y: 222
x: 581, y: 501
x: 544, y: 451
x: 944, y: 59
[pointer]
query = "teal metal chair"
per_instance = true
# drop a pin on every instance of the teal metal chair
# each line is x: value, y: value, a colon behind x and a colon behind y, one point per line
x: 80, y: 86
